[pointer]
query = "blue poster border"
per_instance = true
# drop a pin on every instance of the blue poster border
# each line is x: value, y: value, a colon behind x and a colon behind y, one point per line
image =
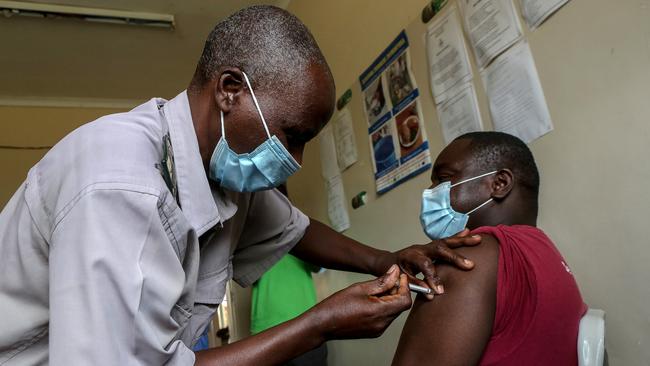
x: 419, y: 171
x: 390, y: 54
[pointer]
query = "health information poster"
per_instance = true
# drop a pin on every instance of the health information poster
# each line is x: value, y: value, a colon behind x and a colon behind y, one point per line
x: 398, y: 140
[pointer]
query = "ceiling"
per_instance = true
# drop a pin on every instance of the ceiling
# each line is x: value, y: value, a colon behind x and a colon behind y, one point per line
x: 60, y: 58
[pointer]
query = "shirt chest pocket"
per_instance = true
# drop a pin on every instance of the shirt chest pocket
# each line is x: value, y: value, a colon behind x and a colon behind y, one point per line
x: 180, y: 315
x: 216, y: 265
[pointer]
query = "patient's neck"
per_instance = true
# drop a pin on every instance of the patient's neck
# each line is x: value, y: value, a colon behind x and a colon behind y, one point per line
x: 505, y: 216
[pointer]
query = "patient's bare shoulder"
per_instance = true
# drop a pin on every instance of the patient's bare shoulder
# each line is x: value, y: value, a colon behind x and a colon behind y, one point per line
x: 484, y: 255
x: 454, y: 328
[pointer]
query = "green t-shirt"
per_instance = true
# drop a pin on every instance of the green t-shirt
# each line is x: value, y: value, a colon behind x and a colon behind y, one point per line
x: 282, y: 293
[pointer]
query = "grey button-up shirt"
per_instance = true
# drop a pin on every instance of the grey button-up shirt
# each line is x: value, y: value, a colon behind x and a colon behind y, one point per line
x: 98, y: 263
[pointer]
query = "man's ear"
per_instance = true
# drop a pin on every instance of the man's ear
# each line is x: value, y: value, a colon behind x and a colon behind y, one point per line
x: 228, y: 87
x: 502, y: 184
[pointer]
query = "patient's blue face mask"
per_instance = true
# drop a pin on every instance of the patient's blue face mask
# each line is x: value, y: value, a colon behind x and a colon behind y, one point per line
x: 266, y: 167
x: 439, y: 220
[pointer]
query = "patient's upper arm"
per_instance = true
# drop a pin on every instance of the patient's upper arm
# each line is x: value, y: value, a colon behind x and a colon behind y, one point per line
x: 454, y: 328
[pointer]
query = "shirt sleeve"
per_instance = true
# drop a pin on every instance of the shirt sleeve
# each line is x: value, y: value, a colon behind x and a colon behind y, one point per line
x: 106, y: 308
x: 273, y: 227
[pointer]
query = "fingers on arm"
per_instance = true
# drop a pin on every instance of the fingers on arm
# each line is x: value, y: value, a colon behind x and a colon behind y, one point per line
x: 443, y: 252
x: 431, y: 277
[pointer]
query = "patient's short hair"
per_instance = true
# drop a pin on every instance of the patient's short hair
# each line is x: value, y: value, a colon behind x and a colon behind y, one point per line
x: 497, y: 150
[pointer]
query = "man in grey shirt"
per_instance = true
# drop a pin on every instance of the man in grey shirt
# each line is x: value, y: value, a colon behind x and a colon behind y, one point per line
x: 117, y: 247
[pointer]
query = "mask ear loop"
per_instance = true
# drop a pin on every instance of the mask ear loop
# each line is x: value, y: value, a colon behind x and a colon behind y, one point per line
x: 223, y: 129
x: 484, y: 203
x: 248, y: 83
x: 471, y: 179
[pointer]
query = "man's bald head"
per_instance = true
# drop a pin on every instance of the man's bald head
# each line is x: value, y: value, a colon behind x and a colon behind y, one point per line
x: 271, y: 45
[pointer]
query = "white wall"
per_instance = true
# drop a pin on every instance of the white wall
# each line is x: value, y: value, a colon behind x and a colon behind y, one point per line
x: 593, y: 58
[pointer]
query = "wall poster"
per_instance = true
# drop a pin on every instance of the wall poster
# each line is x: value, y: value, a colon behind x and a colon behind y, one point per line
x: 398, y: 140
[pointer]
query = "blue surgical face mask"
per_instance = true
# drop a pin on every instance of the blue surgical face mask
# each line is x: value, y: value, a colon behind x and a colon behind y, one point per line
x: 266, y: 167
x: 439, y: 220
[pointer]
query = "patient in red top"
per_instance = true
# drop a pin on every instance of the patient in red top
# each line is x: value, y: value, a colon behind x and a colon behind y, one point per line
x: 520, y: 305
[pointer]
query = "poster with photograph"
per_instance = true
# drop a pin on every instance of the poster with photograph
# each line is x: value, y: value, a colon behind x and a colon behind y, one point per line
x: 400, y: 84
x: 375, y: 101
x: 396, y: 133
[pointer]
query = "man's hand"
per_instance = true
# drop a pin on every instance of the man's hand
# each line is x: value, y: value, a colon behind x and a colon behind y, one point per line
x: 420, y: 259
x: 364, y: 310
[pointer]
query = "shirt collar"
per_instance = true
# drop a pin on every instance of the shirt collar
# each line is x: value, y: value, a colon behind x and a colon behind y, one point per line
x: 194, y: 192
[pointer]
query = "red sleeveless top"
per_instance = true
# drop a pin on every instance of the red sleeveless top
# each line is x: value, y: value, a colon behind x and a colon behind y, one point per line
x: 538, y: 306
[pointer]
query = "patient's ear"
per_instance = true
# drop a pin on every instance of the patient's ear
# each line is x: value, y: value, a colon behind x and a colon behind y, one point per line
x: 502, y: 184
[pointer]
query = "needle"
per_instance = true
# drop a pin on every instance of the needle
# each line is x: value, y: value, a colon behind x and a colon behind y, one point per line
x: 416, y: 288
x: 420, y: 289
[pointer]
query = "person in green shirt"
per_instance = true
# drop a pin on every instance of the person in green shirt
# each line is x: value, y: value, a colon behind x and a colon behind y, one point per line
x: 285, y: 291
x: 282, y: 293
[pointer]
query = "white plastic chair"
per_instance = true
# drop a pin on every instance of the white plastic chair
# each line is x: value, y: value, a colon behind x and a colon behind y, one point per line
x: 591, y: 339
